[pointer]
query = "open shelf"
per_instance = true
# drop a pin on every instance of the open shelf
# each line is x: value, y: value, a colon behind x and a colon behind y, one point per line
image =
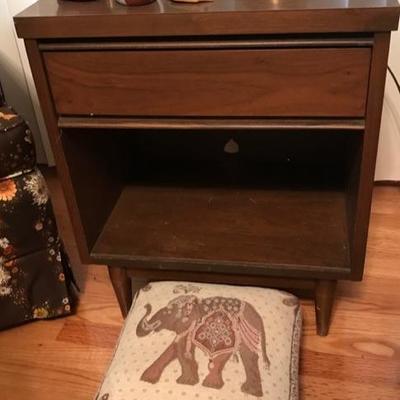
x: 228, y: 227
x: 177, y: 200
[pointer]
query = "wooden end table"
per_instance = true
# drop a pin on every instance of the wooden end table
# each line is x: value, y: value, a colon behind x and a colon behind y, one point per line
x: 230, y: 142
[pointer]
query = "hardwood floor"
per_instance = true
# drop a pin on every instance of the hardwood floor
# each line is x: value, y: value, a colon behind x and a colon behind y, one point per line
x: 360, y: 359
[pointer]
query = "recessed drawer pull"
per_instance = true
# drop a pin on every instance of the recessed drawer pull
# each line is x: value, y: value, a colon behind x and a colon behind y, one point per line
x: 310, y: 124
x: 209, y: 44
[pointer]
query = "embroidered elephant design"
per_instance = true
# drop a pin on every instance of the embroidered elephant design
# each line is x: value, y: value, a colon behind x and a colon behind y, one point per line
x: 220, y: 327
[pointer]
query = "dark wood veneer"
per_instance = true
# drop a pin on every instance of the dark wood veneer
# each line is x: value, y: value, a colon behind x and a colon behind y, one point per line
x: 231, y: 227
x: 243, y: 82
x: 141, y: 102
x: 47, y: 19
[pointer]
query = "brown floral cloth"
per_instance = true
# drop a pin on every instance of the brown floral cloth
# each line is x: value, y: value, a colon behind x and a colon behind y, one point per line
x: 34, y: 273
x: 17, y: 153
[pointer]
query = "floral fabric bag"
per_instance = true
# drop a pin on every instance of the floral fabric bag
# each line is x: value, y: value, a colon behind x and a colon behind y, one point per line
x: 34, y: 271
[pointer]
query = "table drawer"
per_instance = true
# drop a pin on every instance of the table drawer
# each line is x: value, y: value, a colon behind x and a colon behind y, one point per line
x: 329, y: 82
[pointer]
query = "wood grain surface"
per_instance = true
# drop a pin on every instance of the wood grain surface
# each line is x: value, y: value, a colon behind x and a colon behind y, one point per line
x: 46, y: 19
x: 234, y: 230
x: 360, y: 359
x: 240, y: 83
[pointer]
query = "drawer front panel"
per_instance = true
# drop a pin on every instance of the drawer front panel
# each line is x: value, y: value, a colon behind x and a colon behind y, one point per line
x: 246, y: 83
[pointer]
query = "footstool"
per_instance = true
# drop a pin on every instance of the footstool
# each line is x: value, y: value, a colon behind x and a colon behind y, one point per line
x: 206, y: 342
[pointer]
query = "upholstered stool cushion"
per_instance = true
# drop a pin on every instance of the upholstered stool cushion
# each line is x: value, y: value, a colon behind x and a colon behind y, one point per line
x: 206, y: 342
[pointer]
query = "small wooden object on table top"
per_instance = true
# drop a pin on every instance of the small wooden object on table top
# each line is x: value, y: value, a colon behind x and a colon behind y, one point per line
x: 140, y: 104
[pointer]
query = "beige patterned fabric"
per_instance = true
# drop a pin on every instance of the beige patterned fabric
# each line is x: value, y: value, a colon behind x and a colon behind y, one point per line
x: 184, y: 341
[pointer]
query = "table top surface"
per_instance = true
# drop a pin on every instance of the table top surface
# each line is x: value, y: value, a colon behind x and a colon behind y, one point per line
x: 52, y: 8
x: 106, y: 18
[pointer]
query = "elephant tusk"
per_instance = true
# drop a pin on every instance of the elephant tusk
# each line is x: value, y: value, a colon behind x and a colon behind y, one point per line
x: 150, y: 326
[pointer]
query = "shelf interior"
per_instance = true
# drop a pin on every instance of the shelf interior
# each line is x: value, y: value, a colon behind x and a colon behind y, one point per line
x: 280, y: 201
x: 279, y: 227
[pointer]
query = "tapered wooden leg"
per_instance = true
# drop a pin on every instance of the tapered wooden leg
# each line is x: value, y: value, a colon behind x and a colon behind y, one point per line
x: 324, y: 298
x: 122, y: 288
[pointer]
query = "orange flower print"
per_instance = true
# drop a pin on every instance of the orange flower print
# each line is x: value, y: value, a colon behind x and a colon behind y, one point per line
x: 8, y: 190
x: 7, y: 117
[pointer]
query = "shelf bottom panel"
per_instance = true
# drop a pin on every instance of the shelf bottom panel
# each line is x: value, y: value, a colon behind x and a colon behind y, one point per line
x: 258, y: 230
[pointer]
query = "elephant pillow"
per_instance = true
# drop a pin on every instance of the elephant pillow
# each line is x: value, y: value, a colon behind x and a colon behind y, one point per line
x: 207, y: 342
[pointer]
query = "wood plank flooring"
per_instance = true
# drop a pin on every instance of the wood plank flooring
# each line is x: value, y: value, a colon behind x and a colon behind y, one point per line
x: 360, y: 359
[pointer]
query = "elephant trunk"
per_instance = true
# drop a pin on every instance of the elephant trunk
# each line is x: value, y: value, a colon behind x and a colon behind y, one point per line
x: 146, y: 326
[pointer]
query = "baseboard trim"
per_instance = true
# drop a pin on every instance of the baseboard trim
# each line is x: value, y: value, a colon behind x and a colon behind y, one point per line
x: 387, y: 183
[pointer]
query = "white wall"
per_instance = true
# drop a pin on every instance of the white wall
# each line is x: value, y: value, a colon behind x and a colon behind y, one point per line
x: 388, y: 163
